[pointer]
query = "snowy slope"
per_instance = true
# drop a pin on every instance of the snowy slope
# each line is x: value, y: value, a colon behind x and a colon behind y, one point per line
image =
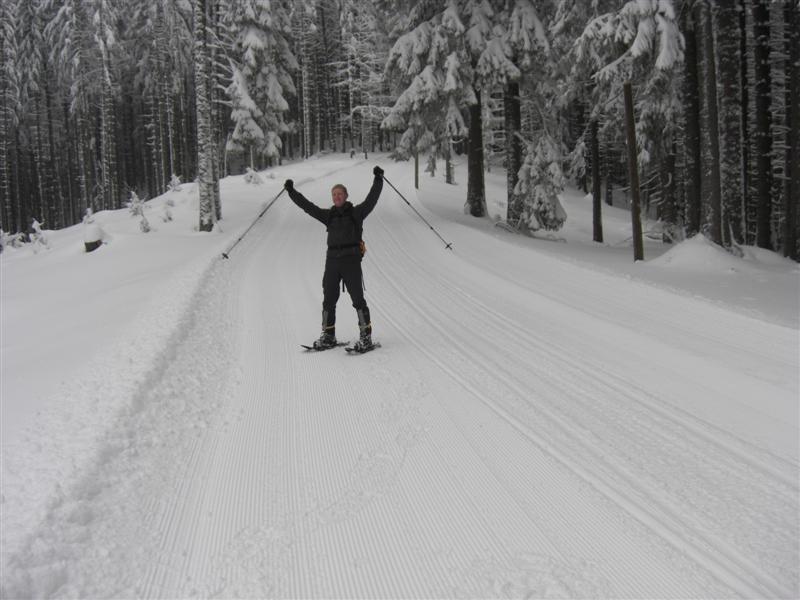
x: 532, y: 427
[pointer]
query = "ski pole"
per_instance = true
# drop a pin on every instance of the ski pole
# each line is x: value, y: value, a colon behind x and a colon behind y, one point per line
x: 263, y: 212
x: 447, y: 244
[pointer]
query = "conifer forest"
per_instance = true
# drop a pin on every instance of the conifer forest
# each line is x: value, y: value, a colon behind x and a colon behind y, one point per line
x: 105, y: 100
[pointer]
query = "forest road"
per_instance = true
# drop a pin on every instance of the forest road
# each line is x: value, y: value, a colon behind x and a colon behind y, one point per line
x: 530, y: 428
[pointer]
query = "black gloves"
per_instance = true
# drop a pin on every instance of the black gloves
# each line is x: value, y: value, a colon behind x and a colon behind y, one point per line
x: 378, y: 171
x: 289, y: 185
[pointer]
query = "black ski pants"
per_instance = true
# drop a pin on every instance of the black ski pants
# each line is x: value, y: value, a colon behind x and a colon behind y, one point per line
x: 345, y: 269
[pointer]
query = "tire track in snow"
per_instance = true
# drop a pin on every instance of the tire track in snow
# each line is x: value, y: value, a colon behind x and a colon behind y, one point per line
x: 455, y: 300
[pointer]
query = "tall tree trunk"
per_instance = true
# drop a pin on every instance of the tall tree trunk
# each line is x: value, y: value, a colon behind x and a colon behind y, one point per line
x: 763, y: 133
x: 633, y: 169
x: 792, y: 157
x: 16, y: 192
x: 171, y: 133
x: 343, y: 110
x: 305, y: 66
x: 729, y: 65
x: 189, y: 137
x: 712, y: 125
x: 57, y: 196
x: 692, y: 148
x: 476, y: 193
x: 609, y: 167
x: 205, y: 140
x: 72, y: 202
x: 448, y: 164
x: 155, y: 139
x: 668, y: 195
x: 745, y: 124
x: 162, y: 140
x: 39, y: 163
x: 109, y: 151
x: 6, y: 222
x: 217, y: 136
x: 83, y: 166
x: 513, y: 125
x: 597, y: 202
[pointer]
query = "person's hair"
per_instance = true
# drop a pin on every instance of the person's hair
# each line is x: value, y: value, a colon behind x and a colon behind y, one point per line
x: 340, y: 186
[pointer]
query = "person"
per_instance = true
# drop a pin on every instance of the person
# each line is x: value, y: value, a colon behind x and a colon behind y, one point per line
x: 345, y: 224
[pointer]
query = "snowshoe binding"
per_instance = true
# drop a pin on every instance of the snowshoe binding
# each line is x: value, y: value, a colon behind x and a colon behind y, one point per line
x: 364, y: 344
x: 325, y: 342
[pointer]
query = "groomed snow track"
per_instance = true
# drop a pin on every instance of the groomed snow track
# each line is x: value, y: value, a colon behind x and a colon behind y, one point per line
x: 529, y: 429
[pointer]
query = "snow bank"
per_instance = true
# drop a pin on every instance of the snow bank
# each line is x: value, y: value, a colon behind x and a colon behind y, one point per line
x: 698, y: 253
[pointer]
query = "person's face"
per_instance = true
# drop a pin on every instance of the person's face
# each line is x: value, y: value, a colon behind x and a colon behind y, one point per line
x: 339, y: 196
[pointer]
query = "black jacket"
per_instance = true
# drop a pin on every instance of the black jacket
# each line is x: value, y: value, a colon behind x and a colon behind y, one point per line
x: 344, y: 223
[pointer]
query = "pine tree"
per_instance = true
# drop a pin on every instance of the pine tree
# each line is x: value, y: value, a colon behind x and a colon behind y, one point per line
x: 791, y: 230
x: 165, y: 62
x: 527, y: 46
x: 205, y: 139
x: 448, y: 59
x: 102, y: 17
x: 8, y: 110
x: 728, y: 48
x: 711, y: 123
x: 638, y: 42
x: 68, y: 32
x: 29, y: 34
x: 430, y: 63
x: 763, y: 132
x: 261, y: 77
x: 365, y: 51
x: 692, y: 148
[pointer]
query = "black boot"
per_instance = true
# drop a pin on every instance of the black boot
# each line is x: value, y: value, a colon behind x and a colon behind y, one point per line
x: 365, y: 331
x: 328, y: 337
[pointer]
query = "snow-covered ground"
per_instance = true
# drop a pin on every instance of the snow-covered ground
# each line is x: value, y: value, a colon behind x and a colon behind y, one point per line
x: 545, y: 418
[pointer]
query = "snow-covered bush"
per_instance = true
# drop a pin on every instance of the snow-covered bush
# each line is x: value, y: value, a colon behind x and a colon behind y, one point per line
x: 252, y: 177
x: 136, y: 206
x: 38, y: 237
x: 174, y: 184
x: 11, y: 240
x: 93, y: 234
x: 540, y: 181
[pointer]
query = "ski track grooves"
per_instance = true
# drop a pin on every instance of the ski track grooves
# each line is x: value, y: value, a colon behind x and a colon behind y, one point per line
x: 248, y: 468
x: 661, y: 517
x: 593, y: 370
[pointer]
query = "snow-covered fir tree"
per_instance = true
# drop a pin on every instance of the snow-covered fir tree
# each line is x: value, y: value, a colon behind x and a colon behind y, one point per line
x: 136, y: 206
x: 433, y: 63
x: 528, y: 98
x: 137, y: 110
x: 640, y: 42
x: 365, y: 53
x: 262, y: 62
x: 39, y: 239
x: 174, y: 183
